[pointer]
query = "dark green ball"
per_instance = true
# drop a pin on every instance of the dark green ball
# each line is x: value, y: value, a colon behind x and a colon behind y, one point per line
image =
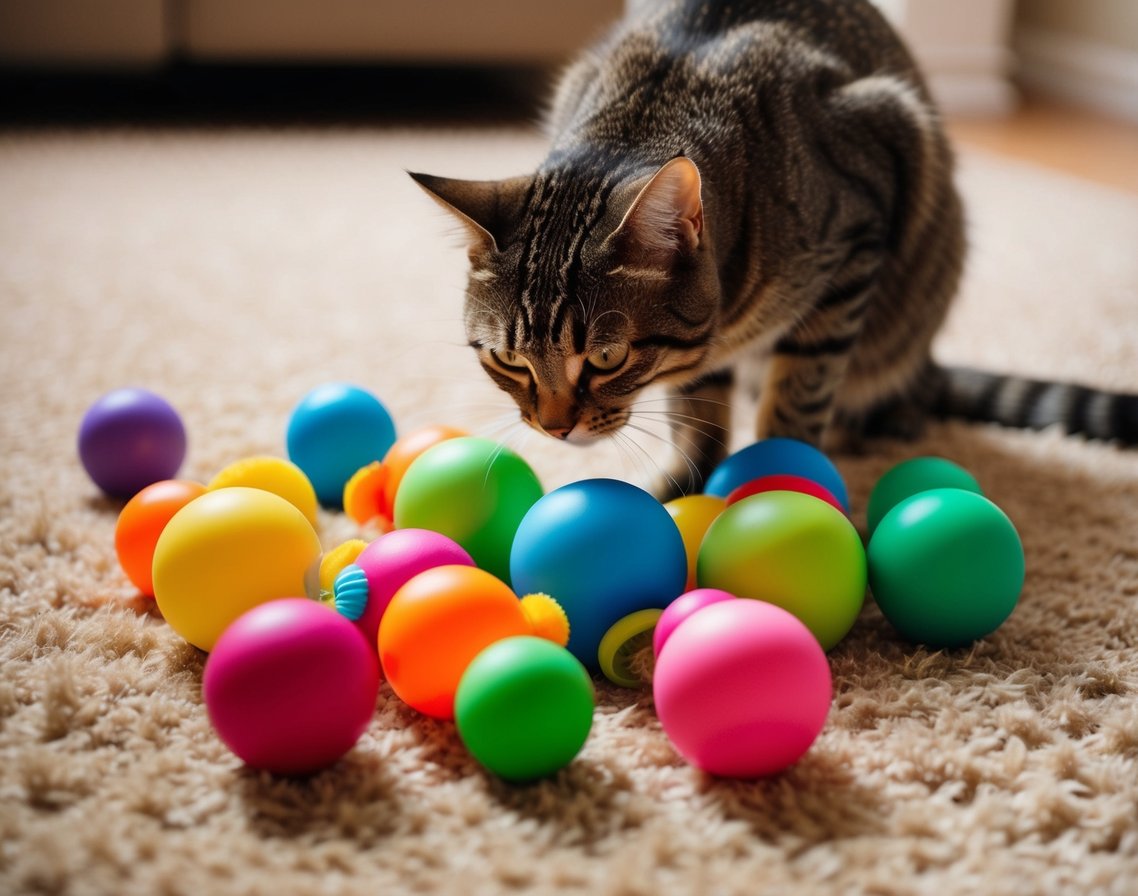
x: 524, y: 707
x: 919, y: 474
x: 946, y: 567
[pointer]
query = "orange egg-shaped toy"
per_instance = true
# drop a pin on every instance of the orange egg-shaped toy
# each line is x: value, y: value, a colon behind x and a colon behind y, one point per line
x: 436, y: 624
x: 142, y: 520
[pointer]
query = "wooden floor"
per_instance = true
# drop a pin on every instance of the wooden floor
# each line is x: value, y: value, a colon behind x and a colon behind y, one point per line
x: 1066, y: 138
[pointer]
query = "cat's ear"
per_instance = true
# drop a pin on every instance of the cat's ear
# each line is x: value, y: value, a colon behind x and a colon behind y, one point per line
x: 665, y: 219
x: 487, y: 209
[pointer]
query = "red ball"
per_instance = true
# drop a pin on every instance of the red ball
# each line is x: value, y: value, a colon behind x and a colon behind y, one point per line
x: 784, y: 482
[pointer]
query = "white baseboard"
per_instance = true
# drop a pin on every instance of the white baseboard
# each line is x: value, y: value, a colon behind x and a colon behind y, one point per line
x: 1090, y: 74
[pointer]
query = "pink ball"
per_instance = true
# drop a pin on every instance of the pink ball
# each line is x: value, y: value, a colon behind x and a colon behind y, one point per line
x: 290, y: 686
x: 742, y: 688
x: 392, y: 560
x: 681, y: 608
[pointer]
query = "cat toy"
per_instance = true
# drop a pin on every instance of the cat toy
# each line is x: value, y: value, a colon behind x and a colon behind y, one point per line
x: 604, y: 549
x: 131, y: 438
x: 290, y: 686
x: 439, y: 621
x: 333, y: 431
x: 741, y: 687
x: 472, y: 490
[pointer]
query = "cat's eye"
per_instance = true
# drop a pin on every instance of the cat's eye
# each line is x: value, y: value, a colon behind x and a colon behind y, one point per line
x: 511, y: 359
x: 609, y: 358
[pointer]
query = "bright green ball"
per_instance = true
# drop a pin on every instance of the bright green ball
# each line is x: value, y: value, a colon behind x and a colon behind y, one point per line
x: 472, y: 490
x: 946, y: 567
x: 911, y: 477
x: 524, y: 707
x: 792, y: 550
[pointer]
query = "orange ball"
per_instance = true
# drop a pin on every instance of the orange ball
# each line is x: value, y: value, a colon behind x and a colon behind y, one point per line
x: 436, y: 624
x: 371, y: 492
x: 142, y: 521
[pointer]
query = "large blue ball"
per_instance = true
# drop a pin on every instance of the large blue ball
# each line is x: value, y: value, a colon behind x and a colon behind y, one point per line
x: 334, y: 430
x: 771, y: 457
x: 603, y: 549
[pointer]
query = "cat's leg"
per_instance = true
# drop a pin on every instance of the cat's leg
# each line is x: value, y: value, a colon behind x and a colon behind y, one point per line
x: 809, y: 364
x: 699, y: 414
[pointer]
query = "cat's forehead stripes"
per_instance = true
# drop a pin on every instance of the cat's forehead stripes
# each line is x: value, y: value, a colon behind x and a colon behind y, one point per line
x: 561, y: 214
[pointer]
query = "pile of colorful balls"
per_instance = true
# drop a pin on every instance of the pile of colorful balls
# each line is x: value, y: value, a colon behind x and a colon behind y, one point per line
x: 724, y: 603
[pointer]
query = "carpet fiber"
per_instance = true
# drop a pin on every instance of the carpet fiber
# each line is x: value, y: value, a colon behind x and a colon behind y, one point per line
x: 232, y: 270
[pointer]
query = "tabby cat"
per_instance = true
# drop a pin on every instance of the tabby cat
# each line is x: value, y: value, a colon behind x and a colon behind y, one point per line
x: 752, y: 178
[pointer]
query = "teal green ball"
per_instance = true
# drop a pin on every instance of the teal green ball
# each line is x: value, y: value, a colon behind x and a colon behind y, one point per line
x: 794, y: 551
x: 524, y: 707
x: 946, y: 567
x: 910, y: 477
x: 474, y: 491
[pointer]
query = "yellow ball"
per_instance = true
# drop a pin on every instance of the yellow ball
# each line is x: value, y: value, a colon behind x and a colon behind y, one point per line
x: 226, y: 552
x: 693, y: 516
x: 271, y: 474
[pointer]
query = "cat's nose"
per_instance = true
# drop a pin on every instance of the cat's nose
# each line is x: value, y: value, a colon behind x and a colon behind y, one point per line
x: 558, y: 432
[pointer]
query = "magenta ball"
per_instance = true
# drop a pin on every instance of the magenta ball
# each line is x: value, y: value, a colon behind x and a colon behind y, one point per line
x: 394, y: 559
x: 742, y: 688
x: 129, y: 439
x: 680, y: 609
x: 290, y: 686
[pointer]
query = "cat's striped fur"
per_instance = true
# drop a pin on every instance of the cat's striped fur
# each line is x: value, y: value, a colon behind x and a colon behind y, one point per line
x: 733, y: 178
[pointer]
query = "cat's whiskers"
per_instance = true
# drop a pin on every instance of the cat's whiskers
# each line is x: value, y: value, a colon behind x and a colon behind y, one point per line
x: 692, y: 466
x: 685, y: 423
x: 626, y: 442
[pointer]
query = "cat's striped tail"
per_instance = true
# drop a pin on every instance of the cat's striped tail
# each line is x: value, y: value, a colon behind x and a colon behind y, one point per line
x: 1036, y: 404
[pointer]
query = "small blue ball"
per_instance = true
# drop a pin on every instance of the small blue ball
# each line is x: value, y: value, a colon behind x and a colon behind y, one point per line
x: 335, y: 430
x: 602, y: 549
x: 771, y: 457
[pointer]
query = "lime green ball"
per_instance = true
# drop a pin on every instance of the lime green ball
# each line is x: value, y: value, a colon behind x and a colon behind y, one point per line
x: 946, y: 567
x: 472, y: 490
x: 910, y: 477
x: 524, y: 707
x: 792, y: 550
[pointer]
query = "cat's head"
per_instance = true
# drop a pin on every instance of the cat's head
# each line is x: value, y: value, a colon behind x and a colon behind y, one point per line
x: 586, y: 288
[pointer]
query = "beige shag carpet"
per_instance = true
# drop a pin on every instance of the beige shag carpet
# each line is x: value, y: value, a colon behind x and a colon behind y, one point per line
x: 232, y: 270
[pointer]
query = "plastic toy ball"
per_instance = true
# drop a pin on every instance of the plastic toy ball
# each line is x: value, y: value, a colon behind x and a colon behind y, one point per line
x: 290, y: 686
x: 142, y: 521
x: 794, y: 551
x: 784, y: 483
x: 524, y: 708
x: 742, y: 689
x: 680, y: 609
x: 129, y: 439
x: 472, y: 490
x: 777, y: 456
x: 919, y: 474
x: 334, y: 430
x: 370, y: 494
x: 946, y: 567
x: 436, y: 624
x: 394, y: 559
x: 226, y: 552
x: 271, y: 474
x: 603, y: 549
x: 693, y: 516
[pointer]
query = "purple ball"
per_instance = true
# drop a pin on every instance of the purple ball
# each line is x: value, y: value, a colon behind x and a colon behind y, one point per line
x: 129, y: 439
